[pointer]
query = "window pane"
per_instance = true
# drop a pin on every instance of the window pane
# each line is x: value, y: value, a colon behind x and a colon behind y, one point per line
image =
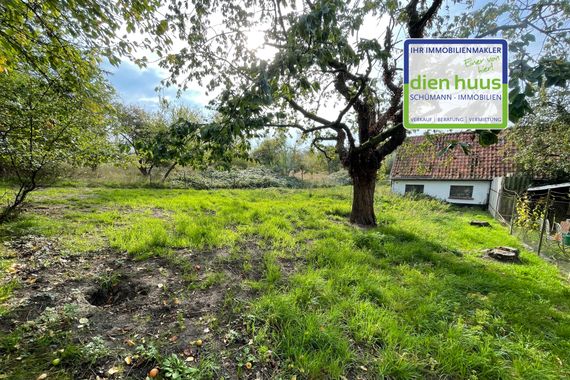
x: 461, y: 192
x: 414, y: 189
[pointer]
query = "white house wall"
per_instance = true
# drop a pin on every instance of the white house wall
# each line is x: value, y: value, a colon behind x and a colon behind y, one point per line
x: 440, y: 190
x: 494, y: 195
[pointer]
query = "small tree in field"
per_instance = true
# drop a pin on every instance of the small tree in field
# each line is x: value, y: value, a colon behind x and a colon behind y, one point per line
x: 137, y: 131
x: 181, y: 143
x: 167, y: 138
x: 43, y: 128
x: 321, y: 53
x: 271, y: 153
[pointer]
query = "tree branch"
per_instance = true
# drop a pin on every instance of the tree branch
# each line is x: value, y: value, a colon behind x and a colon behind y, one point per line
x: 397, y: 137
x: 373, y: 141
x: 492, y: 32
x: 307, y: 114
x: 417, y: 23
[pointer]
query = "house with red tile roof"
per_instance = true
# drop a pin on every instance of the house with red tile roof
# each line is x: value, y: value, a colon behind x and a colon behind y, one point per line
x: 437, y: 166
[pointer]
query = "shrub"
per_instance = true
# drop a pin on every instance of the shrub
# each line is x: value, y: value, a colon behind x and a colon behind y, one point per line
x: 237, y: 179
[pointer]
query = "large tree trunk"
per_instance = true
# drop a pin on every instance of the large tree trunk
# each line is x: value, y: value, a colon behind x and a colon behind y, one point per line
x: 364, y: 184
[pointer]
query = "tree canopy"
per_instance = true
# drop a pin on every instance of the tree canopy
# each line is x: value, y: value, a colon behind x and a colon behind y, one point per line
x: 335, y: 69
x: 173, y: 135
x: 65, y: 39
x: 42, y: 128
x: 543, y: 140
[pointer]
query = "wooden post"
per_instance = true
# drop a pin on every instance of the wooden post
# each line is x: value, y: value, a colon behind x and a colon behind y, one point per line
x: 543, y: 227
x: 513, y: 216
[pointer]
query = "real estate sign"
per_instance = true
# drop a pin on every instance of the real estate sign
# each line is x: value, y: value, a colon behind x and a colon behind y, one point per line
x: 455, y: 83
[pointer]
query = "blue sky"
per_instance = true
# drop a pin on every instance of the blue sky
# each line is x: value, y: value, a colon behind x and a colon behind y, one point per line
x: 136, y: 85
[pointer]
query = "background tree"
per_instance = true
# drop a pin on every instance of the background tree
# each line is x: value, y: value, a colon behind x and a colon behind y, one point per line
x: 322, y: 159
x: 543, y: 140
x: 137, y: 131
x: 168, y: 137
x: 295, y: 162
x: 43, y: 128
x: 180, y: 144
x: 277, y: 154
x: 271, y: 152
x: 322, y: 54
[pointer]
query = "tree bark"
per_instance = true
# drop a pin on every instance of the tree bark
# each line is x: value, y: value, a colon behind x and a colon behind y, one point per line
x: 145, y: 170
x: 364, y: 184
x: 19, y: 199
x: 168, y: 171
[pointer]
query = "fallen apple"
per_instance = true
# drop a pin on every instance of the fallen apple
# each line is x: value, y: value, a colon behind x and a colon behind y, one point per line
x: 153, y: 372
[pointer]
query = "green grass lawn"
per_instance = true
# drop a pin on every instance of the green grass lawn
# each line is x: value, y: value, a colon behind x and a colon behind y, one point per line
x: 295, y: 290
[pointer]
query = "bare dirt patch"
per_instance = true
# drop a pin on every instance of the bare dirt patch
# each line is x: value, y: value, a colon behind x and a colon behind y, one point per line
x: 125, y: 304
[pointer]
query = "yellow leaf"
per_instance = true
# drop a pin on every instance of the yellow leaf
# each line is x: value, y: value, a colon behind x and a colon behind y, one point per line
x: 113, y: 370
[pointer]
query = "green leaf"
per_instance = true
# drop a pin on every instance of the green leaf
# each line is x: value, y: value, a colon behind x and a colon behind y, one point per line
x: 162, y: 27
x: 487, y: 138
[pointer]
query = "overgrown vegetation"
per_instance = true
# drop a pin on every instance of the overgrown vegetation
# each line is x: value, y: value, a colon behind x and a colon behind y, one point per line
x: 530, y: 214
x: 542, y: 141
x: 293, y: 289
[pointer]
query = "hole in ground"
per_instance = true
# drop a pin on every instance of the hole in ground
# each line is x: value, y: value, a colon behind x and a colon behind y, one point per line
x: 115, y: 292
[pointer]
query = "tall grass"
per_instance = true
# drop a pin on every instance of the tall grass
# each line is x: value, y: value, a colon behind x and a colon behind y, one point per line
x: 412, y: 298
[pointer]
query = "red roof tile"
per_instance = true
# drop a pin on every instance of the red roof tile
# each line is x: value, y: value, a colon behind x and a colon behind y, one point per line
x: 421, y: 157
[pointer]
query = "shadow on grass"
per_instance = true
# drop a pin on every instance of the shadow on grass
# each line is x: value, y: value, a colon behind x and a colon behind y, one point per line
x: 407, y: 307
x: 529, y: 298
